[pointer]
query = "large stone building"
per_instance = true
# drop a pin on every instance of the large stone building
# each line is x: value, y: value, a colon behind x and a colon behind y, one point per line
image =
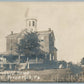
x: 46, y: 38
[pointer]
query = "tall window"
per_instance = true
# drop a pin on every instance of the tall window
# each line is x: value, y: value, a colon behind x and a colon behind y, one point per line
x: 33, y: 23
x: 29, y: 23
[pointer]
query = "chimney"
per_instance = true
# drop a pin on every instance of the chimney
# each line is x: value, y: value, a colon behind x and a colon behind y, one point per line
x: 11, y: 32
x: 49, y: 29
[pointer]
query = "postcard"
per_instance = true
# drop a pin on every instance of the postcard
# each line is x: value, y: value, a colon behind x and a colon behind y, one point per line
x: 42, y: 42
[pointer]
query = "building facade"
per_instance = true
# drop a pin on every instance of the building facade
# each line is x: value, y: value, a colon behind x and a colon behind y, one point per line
x: 46, y: 40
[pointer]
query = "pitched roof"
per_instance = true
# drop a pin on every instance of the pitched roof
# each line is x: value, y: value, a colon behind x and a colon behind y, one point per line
x: 18, y: 34
x: 12, y: 35
x: 47, y: 31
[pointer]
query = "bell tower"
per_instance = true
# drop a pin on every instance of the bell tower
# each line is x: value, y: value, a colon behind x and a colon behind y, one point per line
x: 31, y: 24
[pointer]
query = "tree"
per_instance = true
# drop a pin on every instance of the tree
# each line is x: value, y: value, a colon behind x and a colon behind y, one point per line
x: 74, y: 67
x: 70, y: 64
x: 82, y: 61
x: 29, y: 45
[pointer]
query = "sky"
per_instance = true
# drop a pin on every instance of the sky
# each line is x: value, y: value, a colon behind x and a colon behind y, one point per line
x: 66, y: 19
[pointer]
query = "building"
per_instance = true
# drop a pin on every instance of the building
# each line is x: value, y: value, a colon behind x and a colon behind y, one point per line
x: 14, y: 61
x: 46, y: 38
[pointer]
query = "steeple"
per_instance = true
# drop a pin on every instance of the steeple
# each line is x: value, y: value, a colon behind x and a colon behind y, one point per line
x: 31, y: 23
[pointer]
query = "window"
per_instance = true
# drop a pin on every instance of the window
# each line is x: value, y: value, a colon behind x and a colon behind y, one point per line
x: 33, y: 23
x: 42, y: 38
x: 29, y: 23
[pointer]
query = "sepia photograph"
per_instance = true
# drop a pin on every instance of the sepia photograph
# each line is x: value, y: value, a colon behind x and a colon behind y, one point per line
x: 42, y: 42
